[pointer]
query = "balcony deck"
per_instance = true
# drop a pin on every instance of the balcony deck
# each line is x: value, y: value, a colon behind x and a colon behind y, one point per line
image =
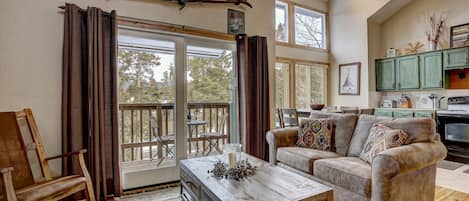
x: 143, y: 149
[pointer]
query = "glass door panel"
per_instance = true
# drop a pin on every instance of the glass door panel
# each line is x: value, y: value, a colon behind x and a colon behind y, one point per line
x: 210, y: 102
x: 146, y: 65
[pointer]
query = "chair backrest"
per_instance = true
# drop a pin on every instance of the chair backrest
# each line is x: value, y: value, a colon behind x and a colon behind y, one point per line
x: 156, y: 123
x: 278, y: 119
x: 22, y: 149
x: 369, y: 111
x: 221, y: 124
x: 352, y: 110
x: 289, y: 117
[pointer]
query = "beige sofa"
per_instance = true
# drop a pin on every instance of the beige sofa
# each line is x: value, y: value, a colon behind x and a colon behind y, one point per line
x: 399, y: 174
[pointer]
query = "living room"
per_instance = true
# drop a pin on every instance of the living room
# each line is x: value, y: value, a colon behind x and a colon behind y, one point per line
x: 297, y: 99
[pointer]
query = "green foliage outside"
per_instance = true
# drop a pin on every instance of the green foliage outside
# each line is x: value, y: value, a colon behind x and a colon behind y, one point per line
x: 209, y: 79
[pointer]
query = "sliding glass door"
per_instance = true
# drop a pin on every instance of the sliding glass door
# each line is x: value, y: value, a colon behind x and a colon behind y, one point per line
x: 211, y: 96
x: 176, y: 97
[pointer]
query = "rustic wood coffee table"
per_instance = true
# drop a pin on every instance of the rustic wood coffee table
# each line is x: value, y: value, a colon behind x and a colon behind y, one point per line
x: 270, y: 183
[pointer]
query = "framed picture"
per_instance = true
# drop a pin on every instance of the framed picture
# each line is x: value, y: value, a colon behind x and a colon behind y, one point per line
x: 349, y: 79
x: 235, y: 22
x: 459, y: 35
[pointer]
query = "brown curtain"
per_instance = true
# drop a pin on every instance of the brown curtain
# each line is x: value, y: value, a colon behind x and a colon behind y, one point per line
x: 89, y: 96
x: 254, y: 93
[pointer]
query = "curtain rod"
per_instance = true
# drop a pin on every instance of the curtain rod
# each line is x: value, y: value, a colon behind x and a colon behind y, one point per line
x: 81, y: 9
x: 142, y: 23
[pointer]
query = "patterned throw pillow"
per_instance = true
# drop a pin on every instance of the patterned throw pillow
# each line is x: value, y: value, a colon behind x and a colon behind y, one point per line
x: 316, y: 134
x: 380, y: 139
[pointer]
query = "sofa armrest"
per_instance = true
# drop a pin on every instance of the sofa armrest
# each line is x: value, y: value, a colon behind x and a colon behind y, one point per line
x: 411, y: 157
x: 281, y: 137
x: 403, y: 167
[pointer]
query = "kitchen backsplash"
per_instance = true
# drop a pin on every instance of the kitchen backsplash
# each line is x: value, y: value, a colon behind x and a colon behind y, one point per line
x: 420, y: 98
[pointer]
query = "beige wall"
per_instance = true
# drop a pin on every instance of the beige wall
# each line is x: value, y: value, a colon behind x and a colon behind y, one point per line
x: 409, y: 25
x: 349, y: 43
x: 31, y: 48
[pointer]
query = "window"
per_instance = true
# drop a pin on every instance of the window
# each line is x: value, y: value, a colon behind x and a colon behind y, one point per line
x: 308, y: 81
x: 281, y: 21
x: 282, y: 85
x: 309, y: 28
x: 309, y: 84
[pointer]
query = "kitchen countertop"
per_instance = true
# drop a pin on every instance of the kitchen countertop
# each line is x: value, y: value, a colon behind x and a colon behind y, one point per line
x: 420, y: 109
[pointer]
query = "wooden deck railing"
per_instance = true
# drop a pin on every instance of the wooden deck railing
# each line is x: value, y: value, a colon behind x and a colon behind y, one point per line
x: 137, y: 141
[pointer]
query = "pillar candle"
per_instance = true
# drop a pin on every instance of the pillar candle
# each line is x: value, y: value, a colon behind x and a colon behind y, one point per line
x: 232, y: 159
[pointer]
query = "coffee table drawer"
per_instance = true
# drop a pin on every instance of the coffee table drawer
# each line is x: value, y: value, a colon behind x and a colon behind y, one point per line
x: 190, y: 185
x: 204, y: 195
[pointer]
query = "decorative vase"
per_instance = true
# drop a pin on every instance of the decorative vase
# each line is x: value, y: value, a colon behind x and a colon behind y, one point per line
x: 432, y: 46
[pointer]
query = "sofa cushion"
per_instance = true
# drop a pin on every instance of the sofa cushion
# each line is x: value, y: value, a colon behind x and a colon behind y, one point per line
x: 302, y: 158
x: 380, y: 139
x: 344, y: 125
x: 316, y: 134
x: 350, y: 173
x: 418, y: 129
x: 361, y: 132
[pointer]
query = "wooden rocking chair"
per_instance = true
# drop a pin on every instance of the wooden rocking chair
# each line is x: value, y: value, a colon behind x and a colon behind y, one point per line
x: 24, y: 167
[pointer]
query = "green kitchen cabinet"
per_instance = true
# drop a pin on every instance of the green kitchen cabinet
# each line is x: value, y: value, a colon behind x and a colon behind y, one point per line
x: 385, y: 75
x: 456, y: 58
x: 403, y: 114
x: 421, y: 114
x: 431, y: 70
x: 383, y: 112
x: 408, y: 72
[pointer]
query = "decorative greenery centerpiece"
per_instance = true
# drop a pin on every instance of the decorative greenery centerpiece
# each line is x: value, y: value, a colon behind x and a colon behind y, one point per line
x: 241, y: 170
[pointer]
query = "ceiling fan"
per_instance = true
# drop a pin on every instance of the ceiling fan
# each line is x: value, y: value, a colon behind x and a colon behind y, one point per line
x: 183, y: 3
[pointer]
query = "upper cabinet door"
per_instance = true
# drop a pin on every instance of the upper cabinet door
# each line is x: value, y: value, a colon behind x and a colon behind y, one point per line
x: 385, y: 75
x: 431, y: 70
x: 408, y: 72
x: 456, y: 58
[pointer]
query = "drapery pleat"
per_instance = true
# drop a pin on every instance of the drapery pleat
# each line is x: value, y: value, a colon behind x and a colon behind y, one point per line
x: 254, y: 93
x: 89, y: 96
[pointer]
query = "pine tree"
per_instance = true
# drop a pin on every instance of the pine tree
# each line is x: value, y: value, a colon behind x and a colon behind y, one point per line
x: 210, y: 80
x: 136, y: 77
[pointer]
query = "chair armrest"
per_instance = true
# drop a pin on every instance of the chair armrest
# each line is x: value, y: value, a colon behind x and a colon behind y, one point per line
x: 75, y: 153
x: 7, y: 185
x: 281, y: 137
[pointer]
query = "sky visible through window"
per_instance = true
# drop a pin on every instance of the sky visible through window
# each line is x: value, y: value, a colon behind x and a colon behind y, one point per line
x: 281, y: 21
x: 309, y: 28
